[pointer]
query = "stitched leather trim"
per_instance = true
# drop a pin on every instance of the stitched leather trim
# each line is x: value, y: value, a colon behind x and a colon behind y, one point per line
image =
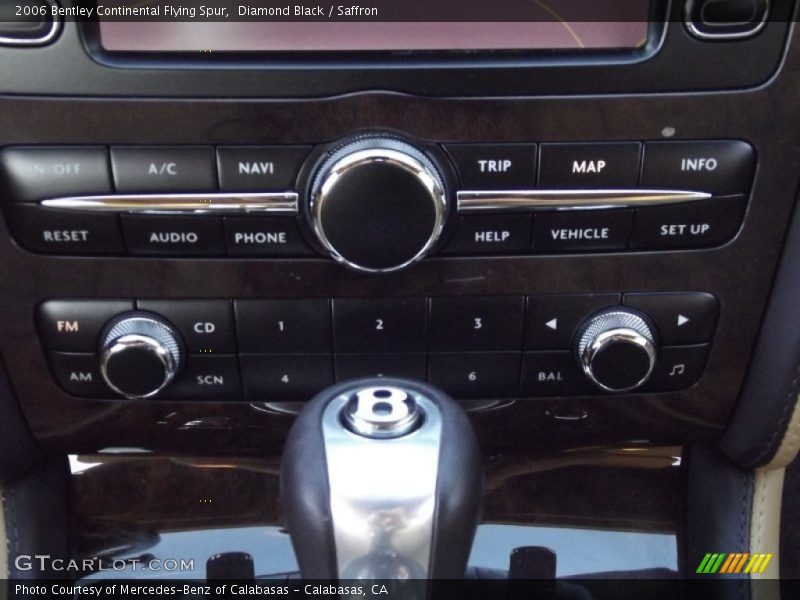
x: 790, y: 445
x: 765, y: 525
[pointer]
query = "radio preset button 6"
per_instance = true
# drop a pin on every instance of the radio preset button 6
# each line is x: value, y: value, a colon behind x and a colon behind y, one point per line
x: 585, y: 230
x: 476, y: 374
x: 163, y: 169
x: 259, y: 168
x: 153, y: 235
x: 494, y: 166
x: 576, y: 166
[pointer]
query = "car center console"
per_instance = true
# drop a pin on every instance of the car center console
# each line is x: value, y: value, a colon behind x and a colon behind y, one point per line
x: 577, y: 245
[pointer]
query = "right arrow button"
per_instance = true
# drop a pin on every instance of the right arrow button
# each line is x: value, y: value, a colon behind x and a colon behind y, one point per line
x: 681, y: 317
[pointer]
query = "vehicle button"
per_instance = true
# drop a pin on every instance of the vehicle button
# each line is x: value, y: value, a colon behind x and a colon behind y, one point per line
x: 678, y: 367
x: 577, y: 166
x: 75, y: 325
x: 494, y: 166
x: 570, y: 231
x: 155, y: 235
x: 79, y: 374
x: 34, y: 173
x: 205, y: 325
x: 379, y: 325
x: 481, y: 323
x: 692, y: 225
x: 259, y: 236
x: 283, y: 326
x: 163, y: 169
x: 207, y: 378
x: 60, y: 232
x: 259, y: 168
x: 717, y: 167
x: 476, y: 374
x: 681, y: 317
x: 407, y: 366
x: 553, y: 374
x: 552, y: 321
x: 491, y: 234
x: 277, y: 377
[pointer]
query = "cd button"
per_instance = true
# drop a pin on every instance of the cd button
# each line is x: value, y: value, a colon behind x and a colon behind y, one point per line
x: 258, y: 169
x: 205, y: 325
x: 259, y: 236
x: 163, y: 169
x: 494, y: 166
x: 154, y: 235
x: 697, y: 224
x: 614, y: 165
x: 31, y: 174
x: 491, y: 234
x: 587, y: 230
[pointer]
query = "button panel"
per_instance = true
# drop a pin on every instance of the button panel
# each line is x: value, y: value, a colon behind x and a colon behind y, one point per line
x: 289, y: 349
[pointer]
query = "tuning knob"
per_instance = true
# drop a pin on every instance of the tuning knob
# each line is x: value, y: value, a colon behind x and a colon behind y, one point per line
x: 617, y: 350
x: 140, y: 354
x: 378, y: 204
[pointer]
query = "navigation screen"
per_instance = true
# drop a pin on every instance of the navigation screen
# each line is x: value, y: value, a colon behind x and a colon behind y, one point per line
x: 158, y: 26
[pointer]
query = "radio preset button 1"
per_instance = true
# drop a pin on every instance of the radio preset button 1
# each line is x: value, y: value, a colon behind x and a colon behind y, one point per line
x: 185, y: 235
x: 491, y: 234
x: 717, y: 167
x: 163, y: 169
x: 611, y: 165
x: 494, y: 166
x: 206, y: 325
x: 283, y: 326
x: 75, y: 325
x: 585, y: 230
x: 264, y: 236
x: 699, y: 224
x: 34, y: 173
x: 259, y: 168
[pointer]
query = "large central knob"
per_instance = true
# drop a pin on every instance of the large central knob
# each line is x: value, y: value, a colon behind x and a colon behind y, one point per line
x: 378, y: 204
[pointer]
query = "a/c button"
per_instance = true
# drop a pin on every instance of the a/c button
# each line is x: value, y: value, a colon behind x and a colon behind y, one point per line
x: 491, y: 234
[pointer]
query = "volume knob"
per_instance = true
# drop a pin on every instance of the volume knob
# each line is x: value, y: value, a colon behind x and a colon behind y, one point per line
x: 139, y: 355
x: 617, y: 350
x: 378, y: 204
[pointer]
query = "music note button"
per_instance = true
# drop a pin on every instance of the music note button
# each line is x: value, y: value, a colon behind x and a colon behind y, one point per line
x: 678, y: 367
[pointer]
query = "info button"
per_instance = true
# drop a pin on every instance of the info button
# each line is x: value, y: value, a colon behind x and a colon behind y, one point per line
x: 491, y: 234
x: 580, y: 231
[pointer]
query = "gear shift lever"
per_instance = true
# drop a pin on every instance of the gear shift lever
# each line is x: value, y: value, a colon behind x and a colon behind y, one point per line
x: 382, y: 479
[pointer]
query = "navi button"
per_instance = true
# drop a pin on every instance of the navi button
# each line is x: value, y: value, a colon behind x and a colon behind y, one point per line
x: 259, y: 168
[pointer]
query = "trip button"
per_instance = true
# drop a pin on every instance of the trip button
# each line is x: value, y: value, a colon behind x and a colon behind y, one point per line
x: 552, y: 321
x: 691, y: 225
x: 494, y: 166
x: 580, y: 231
x: 379, y: 325
x: 717, y: 167
x: 205, y: 325
x: 259, y: 236
x: 283, y: 326
x: 491, y: 234
x: 678, y: 367
x: 681, y: 317
x: 156, y: 235
x: 52, y: 231
x: 298, y: 377
x: 34, y: 173
x: 613, y: 165
x: 75, y: 325
x: 476, y: 374
x: 78, y: 374
x: 259, y: 168
x: 482, y: 323
x: 552, y: 374
x: 163, y: 169
x: 207, y: 378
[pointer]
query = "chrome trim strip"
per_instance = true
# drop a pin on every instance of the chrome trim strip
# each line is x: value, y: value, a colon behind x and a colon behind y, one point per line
x: 47, y: 37
x: 703, y: 35
x: 282, y: 203
x: 529, y: 200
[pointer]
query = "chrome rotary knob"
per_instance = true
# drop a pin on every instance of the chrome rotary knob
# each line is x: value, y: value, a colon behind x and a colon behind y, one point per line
x: 617, y: 350
x: 139, y: 355
x: 378, y: 204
